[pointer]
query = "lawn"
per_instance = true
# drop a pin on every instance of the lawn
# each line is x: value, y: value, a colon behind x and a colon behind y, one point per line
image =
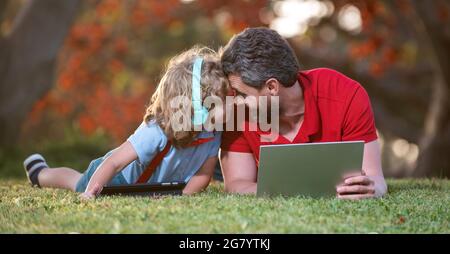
x: 412, y: 206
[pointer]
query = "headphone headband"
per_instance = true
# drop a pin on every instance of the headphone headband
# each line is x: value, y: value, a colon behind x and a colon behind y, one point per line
x: 200, y: 112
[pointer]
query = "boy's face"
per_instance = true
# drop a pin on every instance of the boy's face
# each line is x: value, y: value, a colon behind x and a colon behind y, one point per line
x: 218, y: 112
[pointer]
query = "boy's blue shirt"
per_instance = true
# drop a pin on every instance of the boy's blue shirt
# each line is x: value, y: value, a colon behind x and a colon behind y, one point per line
x: 178, y: 164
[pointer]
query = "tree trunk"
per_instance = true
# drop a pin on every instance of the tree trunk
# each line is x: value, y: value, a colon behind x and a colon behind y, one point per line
x: 435, y: 142
x: 27, y: 60
x: 3, y: 5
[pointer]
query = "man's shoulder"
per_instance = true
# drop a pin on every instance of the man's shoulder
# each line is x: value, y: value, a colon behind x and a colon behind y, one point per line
x: 329, y: 83
x: 320, y: 72
x: 328, y: 76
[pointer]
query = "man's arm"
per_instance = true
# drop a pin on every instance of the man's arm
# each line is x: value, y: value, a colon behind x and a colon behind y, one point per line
x: 239, y: 172
x: 370, y: 182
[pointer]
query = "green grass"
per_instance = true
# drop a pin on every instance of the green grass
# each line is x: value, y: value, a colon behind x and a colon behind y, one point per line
x: 412, y: 206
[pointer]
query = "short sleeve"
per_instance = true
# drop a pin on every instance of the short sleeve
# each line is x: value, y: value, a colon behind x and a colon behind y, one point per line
x: 214, y: 151
x: 234, y: 141
x: 359, y: 121
x: 147, y: 141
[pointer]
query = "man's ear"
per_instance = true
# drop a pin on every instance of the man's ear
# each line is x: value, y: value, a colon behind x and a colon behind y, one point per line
x: 273, y: 87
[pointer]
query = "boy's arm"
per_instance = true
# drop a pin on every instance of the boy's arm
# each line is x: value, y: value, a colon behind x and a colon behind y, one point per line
x: 112, y: 165
x: 202, y: 178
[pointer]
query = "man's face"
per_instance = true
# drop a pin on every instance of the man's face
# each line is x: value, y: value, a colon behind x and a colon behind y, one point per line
x: 241, y: 89
x: 262, y: 103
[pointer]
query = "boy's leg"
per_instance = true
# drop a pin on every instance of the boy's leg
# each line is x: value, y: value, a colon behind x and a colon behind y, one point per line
x: 40, y: 174
x: 63, y: 178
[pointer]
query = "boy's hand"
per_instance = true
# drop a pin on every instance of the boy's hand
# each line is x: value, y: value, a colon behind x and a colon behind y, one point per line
x: 356, y: 186
x: 92, y: 193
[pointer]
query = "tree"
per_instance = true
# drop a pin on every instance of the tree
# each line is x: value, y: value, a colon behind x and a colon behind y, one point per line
x: 27, y: 59
x: 435, y: 142
x: 114, y: 54
x: 111, y: 62
x: 401, y: 57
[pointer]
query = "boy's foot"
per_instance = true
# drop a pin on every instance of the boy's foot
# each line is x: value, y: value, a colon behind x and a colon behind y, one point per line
x: 33, y: 165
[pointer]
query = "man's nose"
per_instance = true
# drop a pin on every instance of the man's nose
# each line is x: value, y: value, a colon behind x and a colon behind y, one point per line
x: 232, y: 92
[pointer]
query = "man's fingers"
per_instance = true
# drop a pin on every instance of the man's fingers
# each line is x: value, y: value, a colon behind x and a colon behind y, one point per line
x: 362, y: 180
x: 352, y: 174
x: 355, y: 196
x: 355, y: 189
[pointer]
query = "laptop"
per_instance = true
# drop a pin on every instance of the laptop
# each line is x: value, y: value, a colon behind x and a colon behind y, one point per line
x: 148, y: 190
x: 310, y: 170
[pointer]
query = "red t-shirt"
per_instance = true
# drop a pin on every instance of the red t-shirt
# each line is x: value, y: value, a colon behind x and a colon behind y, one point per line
x: 337, y: 108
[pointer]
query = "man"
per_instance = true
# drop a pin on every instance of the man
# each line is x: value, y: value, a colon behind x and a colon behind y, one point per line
x: 318, y: 105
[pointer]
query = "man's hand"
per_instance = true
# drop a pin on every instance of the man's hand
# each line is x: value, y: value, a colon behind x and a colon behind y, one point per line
x: 358, y: 186
x: 368, y: 183
x: 91, y: 193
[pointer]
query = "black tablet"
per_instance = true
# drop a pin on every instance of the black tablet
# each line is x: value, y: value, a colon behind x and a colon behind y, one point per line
x: 152, y: 190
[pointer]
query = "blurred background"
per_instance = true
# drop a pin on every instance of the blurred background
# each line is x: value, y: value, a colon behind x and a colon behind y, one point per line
x: 76, y: 75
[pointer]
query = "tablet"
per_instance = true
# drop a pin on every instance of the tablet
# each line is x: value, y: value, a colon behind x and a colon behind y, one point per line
x: 152, y: 190
x: 311, y: 170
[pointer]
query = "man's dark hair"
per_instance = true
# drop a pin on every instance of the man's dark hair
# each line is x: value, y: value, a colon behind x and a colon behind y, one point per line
x: 259, y: 54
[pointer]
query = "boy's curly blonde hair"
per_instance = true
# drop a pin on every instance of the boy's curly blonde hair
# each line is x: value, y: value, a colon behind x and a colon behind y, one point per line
x: 177, y: 81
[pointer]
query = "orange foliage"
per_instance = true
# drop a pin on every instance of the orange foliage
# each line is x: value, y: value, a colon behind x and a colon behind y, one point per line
x: 377, y: 69
x: 443, y: 12
x: 87, y: 124
x: 100, y: 85
x: 379, y: 23
x: 39, y: 107
x: 121, y: 46
x: 390, y: 56
x: 116, y: 65
x: 83, y: 91
x: 244, y: 13
x: 108, y: 7
x: 146, y: 11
